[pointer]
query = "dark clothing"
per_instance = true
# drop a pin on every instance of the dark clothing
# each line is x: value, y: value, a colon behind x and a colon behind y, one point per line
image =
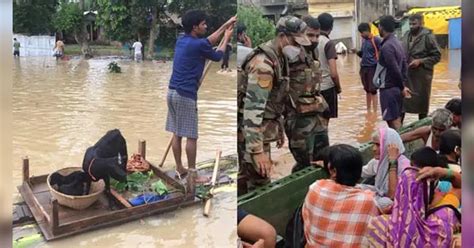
x: 367, y: 76
x: 241, y: 214
x: 394, y: 60
x: 330, y: 95
x: 16, y: 53
x: 391, y: 101
x: 225, y: 58
x: 419, y: 81
x: 424, y: 47
x: 188, y: 64
x: 369, y: 50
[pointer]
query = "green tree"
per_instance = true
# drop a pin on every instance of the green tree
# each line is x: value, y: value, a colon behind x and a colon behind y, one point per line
x: 218, y: 11
x: 70, y: 18
x: 127, y: 20
x: 154, y: 18
x: 115, y: 18
x: 259, y: 29
x: 33, y: 17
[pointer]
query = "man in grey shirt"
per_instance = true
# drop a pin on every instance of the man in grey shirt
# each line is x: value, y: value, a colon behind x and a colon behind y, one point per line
x: 16, y: 47
x: 330, y: 85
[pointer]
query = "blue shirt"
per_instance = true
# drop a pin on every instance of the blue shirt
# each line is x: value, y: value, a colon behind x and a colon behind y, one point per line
x: 188, y: 64
x: 369, y: 56
x: 393, y: 58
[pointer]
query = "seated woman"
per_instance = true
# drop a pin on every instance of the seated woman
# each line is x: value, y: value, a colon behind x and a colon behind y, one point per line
x: 450, y: 148
x: 336, y: 212
x: 410, y: 224
x: 442, y: 120
x: 455, y: 106
x: 388, y: 150
x: 450, y: 152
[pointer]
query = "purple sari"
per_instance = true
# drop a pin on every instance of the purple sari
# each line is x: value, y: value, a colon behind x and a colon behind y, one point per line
x: 407, y: 226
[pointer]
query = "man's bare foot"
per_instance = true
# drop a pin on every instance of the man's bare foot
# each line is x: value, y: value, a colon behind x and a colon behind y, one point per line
x: 181, y: 173
x: 202, y: 180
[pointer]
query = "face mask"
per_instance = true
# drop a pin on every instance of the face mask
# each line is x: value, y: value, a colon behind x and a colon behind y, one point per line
x: 313, y: 45
x: 291, y: 52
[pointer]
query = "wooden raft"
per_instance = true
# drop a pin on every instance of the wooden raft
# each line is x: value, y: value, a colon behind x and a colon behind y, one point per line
x: 56, y: 221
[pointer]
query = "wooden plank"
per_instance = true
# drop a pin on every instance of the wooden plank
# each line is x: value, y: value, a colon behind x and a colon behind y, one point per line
x: 35, y: 202
x: 22, y: 214
x: 38, y: 180
x: 142, y: 148
x: 26, y: 169
x: 120, y: 198
x: 208, y: 202
x: 124, y: 214
x: 54, y: 215
x: 40, y: 220
x: 169, y: 180
x: 117, y: 221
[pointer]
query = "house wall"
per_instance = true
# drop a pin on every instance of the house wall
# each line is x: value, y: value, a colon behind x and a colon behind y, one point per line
x: 41, y: 45
x: 406, y: 4
x: 343, y: 11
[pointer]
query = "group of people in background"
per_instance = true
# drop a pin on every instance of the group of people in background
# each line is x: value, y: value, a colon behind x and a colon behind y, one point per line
x: 405, y: 66
x: 58, y: 49
x: 290, y: 85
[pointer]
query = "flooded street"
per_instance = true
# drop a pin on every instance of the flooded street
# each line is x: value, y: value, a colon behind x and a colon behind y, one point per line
x: 62, y: 108
x: 353, y: 125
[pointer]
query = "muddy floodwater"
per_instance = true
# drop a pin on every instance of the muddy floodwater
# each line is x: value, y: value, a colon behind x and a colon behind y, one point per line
x: 353, y: 125
x: 61, y: 108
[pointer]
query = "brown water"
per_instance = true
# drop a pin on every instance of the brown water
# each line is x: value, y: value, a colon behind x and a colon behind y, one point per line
x: 60, y: 109
x: 354, y: 125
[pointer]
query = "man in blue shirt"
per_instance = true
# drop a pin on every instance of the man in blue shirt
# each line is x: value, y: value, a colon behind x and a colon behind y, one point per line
x: 190, y: 56
x: 369, y: 52
x: 393, y: 59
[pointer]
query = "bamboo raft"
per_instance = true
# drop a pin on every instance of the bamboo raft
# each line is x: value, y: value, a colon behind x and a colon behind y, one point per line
x: 56, y: 221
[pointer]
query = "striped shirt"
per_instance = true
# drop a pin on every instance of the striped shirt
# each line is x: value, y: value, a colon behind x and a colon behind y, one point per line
x: 336, y: 215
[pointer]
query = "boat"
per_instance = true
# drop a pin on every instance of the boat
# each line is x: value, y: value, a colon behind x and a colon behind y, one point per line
x: 276, y: 202
x: 41, y: 210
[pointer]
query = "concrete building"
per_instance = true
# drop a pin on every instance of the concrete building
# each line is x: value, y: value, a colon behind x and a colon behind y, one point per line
x: 407, y: 4
x: 347, y: 13
x: 274, y: 9
x: 345, y: 19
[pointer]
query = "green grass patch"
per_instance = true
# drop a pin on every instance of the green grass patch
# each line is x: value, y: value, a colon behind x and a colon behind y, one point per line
x: 97, y: 50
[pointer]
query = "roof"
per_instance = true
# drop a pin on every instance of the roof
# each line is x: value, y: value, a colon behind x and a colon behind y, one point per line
x: 90, y: 12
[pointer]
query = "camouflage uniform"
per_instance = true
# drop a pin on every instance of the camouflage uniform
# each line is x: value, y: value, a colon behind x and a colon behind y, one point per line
x: 305, y: 126
x: 262, y: 87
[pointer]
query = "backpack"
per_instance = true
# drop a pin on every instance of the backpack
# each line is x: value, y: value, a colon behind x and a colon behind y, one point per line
x: 242, y: 75
x: 294, y: 234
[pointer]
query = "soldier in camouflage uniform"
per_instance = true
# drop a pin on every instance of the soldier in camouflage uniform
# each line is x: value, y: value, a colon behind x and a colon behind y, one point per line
x: 262, y: 87
x: 305, y: 126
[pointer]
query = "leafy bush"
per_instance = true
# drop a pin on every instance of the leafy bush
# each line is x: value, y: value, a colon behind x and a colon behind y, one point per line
x: 259, y: 28
x: 114, y: 67
x: 140, y: 182
x: 68, y: 18
x: 33, y: 17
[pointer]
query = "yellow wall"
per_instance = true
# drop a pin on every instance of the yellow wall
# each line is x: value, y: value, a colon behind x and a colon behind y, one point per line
x: 435, y: 18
